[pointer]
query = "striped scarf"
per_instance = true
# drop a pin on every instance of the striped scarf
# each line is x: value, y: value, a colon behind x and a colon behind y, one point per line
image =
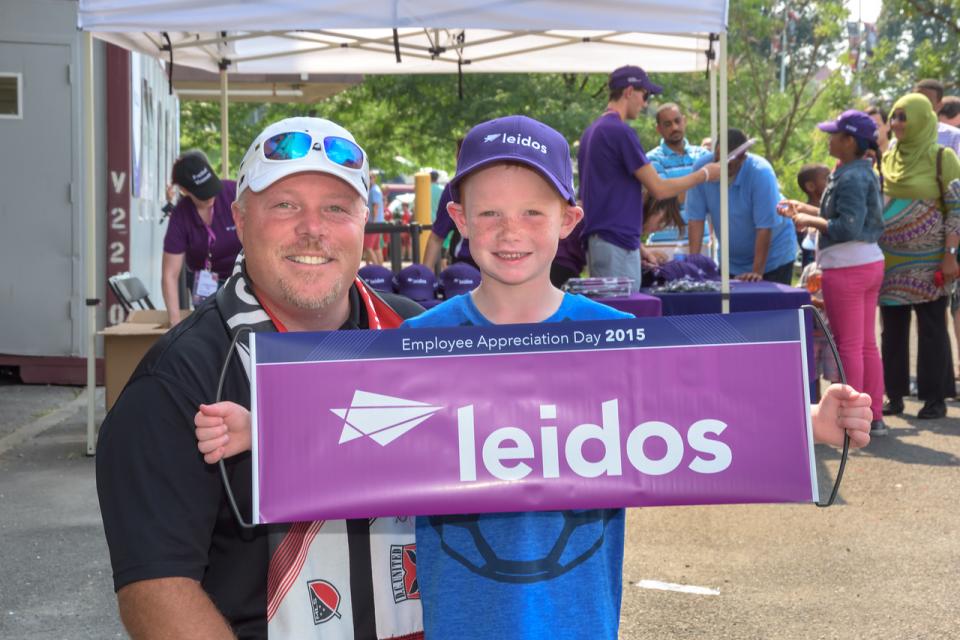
x: 333, y: 579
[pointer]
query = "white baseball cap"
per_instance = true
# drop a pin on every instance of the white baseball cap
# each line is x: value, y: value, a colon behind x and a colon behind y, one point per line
x: 297, y: 145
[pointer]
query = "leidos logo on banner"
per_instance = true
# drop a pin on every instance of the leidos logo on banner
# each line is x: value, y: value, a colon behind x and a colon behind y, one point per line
x: 502, y: 452
x: 382, y: 418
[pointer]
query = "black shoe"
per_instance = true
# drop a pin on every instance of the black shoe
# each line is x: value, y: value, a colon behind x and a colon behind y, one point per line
x: 878, y: 428
x: 893, y: 407
x: 933, y: 410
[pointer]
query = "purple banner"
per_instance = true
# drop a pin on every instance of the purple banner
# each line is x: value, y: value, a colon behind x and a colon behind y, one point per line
x: 653, y: 411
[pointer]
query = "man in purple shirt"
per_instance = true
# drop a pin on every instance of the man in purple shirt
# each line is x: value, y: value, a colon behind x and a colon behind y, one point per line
x: 201, y: 231
x: 614, y: 170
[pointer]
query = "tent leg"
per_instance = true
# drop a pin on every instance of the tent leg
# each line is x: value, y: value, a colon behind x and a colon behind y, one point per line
x: 724, y: 182
x: 90, y: 262
x: 224, y: 125
x: 713, y: 103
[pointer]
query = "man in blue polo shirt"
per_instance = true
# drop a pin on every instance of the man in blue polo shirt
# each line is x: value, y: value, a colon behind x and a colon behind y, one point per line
x: 763, y: 245
x: 674, y: 156
x: 614, y: 170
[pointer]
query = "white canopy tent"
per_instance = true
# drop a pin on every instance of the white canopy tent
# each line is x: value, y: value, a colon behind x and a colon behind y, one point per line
x: 375, y: 51
x: 406, y: 36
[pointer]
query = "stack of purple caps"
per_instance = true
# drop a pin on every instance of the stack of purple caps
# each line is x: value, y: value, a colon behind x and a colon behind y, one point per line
x: 705, y: 264
x: 694, y: 267
x: 458, y: 278
x: 418, y: 283
x: 377, y: 276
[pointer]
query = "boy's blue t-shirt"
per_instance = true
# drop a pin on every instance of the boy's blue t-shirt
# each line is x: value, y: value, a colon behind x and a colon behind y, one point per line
x: 551, y: 575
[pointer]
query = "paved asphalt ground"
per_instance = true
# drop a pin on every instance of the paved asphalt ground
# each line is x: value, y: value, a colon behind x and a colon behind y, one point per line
x: 881, y: 564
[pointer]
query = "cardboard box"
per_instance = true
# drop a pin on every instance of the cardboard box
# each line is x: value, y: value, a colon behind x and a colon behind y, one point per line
x: 125, y: 344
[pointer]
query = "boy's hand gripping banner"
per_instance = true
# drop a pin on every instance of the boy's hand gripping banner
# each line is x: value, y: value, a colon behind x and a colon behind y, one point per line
x: 656, y: 411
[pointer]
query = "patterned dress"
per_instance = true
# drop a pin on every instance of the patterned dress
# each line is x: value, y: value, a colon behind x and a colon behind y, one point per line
x: 913, y: 237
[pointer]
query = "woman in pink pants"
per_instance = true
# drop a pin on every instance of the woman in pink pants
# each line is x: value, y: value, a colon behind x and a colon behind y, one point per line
x: 850, y: 221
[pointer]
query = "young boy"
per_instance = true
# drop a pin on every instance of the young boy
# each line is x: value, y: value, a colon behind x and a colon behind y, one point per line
x: 528, y: 575
x: 812, y: 180
x: 513, y: 198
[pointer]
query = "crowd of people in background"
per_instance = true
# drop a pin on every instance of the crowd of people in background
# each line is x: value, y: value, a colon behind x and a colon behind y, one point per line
x: 877, y: 228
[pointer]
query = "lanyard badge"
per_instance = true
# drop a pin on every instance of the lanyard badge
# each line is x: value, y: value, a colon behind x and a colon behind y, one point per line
x: 206, y: 282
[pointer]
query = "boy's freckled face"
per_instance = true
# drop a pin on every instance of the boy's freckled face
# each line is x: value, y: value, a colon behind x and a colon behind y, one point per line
x: 514, y: 220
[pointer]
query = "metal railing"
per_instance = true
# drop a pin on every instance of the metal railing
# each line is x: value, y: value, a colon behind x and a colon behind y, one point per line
x: 396, y: 232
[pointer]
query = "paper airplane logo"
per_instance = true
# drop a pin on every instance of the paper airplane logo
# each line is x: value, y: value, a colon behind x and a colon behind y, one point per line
x: 382, y: 418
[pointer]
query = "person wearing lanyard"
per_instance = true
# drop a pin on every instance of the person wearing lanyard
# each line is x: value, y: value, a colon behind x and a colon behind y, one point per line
x: 201, y: 232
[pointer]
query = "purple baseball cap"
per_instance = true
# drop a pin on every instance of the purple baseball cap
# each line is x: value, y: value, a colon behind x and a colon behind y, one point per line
x: 855, y: 123
x: 459, y: 278
x: 416, y: 282
x: 377, y: 276
x: 517, y: 139
x: 632, y: 76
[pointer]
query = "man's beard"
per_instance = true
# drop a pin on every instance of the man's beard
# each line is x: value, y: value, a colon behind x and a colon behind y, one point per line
x: 295, y: 295
x: 312, y: 303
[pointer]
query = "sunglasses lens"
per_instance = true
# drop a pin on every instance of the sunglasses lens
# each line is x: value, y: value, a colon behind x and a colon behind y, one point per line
x: 287, y: 146
x: 343, y: 152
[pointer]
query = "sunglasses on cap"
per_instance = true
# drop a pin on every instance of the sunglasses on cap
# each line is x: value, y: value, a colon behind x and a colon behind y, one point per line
x: 295, y: 145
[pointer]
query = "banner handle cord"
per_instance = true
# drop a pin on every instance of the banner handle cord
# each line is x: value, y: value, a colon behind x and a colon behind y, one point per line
x: 223, y: 468
x: 843, y: 381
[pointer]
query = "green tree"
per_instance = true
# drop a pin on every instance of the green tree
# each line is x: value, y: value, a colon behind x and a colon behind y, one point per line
x: 420, y: 117
x: 916, y: 39
x: 417, y: 117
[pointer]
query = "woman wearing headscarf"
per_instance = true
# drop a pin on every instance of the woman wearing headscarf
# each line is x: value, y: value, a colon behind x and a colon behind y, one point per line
x: 921, y: 232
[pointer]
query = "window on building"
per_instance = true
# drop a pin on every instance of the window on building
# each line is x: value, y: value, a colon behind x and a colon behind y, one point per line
x: 11, y: 95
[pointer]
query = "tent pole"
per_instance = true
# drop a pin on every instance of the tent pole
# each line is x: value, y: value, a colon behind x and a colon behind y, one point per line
x: 90, y: 221
x: 224, y: 125
x: 713, y: 102
x: 724, y: 182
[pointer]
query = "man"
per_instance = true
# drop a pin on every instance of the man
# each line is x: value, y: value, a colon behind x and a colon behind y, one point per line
x: 183, y: 568
x: 371, y: 241
x: 614, y: 170
x: 949, y: 112
x: 947, y: 134
x: 674, y: 156
x: 763, y: 245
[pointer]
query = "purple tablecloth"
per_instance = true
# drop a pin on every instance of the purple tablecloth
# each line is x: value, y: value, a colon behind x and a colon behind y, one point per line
x: 744, y: 296
x: 639, y: 304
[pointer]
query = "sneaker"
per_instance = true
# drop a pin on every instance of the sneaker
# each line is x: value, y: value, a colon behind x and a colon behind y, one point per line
x: 893, y: 407
x: 878, y: 428
x: 933, y: 410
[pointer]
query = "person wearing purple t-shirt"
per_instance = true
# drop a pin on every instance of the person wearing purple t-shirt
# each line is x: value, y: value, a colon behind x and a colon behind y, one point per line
x: 614, y: 170
x: 441, y: 228
x: 201, y: 232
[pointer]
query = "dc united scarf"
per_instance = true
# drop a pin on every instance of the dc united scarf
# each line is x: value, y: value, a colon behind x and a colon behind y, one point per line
x: 333, y: 579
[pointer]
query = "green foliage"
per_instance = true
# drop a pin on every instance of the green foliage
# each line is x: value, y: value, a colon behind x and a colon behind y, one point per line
x: 415, y: 117
x: 917, y: 39
x: 420, y: 117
